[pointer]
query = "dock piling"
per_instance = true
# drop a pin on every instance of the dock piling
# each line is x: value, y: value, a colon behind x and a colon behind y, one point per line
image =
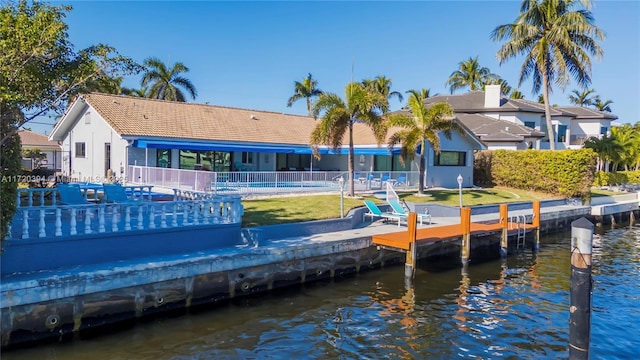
x: 410, y: 261
x: 536, y: 224
x: 465, y: 224
x: 504, y: 221
x: 581, y: 288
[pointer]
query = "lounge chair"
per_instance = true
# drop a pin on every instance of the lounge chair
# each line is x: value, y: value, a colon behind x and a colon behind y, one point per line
x: 398, y: 209
x: 400, y: 181
x: 114, y: 193
x: 374, y: 211
x: 70, y: 194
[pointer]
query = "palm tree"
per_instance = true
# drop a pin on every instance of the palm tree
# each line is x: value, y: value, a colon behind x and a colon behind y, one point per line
x: 607, y: 149
x: 602, y: 105
x: 583, y: 98
x: 164, y: 82
x: 306, y: 89
x: 422, y: 125
x: 470, y: 74
x: 141, y: 92
x: 516, y: 94
x: 628, y: 138
x: 505, y: 89
x: 338, y: 117
x: 556, y: 42
x: 382, y: 84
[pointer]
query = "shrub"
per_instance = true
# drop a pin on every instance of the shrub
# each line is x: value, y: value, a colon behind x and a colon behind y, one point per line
x: 621, y: 177
x: 568, y: 172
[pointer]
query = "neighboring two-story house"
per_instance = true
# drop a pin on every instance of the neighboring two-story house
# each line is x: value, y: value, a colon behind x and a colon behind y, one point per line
x: 520, y: 124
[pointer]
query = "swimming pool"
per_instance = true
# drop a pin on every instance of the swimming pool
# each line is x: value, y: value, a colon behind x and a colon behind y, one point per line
x: 248, y: 187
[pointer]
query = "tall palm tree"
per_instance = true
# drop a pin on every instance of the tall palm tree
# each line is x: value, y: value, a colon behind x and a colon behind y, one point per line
x: 382, y: 84
x: 422, y: 125
x: 582, y: 98
x: 306, y: 89
x: 602, y: 105
x: 556, y: 41
x: 470, y: 74
x: 360, y: 105
x: 164, y: 83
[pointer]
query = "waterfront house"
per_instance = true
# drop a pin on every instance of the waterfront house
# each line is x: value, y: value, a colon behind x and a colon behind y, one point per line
x: 99, y: 132
x: 520, y: 124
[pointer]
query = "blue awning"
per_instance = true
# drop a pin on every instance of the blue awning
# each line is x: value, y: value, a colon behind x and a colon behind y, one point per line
x: 254, y: 147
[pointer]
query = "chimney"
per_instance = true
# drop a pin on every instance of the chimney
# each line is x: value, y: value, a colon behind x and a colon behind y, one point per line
x: 492, y: 96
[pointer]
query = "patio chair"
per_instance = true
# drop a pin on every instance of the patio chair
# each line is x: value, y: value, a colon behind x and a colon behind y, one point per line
x: 380, y: 181
x: 374, y: 211
x: 399, y: 210
x: 70, y: 194
x: 400, y: 181
x: 115, y: 193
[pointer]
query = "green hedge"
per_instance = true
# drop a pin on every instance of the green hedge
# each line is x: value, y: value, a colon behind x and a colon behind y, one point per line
x: 567, y: 172
x: 620, y: 177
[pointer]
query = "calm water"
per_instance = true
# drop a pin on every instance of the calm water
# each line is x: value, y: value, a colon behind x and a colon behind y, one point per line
x: 515, y: 309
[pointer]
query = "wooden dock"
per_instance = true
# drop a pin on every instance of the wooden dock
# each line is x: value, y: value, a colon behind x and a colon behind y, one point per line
x: 408, y: 241
x: 443, y: 233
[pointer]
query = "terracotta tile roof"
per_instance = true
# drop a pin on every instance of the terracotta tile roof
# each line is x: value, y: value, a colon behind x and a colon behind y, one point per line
x: 33, y: 140
x: 141, y: 117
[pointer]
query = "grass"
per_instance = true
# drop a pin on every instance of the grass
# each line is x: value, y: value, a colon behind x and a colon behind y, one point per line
x: 278, y: 210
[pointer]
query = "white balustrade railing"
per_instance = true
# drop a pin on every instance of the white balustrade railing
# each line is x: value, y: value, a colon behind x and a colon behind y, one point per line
x: 29, y: 197
x: 267, y: 182
x: 73, y: 220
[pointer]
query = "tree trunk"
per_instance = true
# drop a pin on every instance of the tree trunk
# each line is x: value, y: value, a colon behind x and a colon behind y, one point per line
x: 351, y: 157
x: 547, y: 109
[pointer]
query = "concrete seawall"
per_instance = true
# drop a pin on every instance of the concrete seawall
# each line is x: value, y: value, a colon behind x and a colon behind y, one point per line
x: 56, y: 304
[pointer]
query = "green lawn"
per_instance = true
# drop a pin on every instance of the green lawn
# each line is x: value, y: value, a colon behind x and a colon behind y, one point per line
x: 278, y: 210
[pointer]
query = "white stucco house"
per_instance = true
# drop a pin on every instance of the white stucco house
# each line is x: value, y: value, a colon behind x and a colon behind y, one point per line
x: 99, y: 132
x: 521, y: 123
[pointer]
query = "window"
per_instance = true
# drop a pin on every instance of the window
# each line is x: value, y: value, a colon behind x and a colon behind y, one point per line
x: 163, y: 158
x: 562, y: 133
x: 604, y: 130
x: 530, y: 124
x: 247, y: 157
x: 80, y: 150
x: 450, y: 158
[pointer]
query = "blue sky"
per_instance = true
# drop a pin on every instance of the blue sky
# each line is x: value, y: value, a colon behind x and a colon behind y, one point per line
x: 248, y: 54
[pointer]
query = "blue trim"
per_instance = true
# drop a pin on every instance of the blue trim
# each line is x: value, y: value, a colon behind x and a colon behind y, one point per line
x: 264, y: 148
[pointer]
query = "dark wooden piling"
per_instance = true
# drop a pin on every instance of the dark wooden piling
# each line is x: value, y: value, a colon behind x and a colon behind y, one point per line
x: 580, y: 309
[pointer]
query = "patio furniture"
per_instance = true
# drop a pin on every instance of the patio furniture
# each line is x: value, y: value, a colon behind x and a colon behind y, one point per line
x: 114, y: 193
x: 374, y: 211
x: 70, y: 194
x: 400, y: 181
x: 399, y: 210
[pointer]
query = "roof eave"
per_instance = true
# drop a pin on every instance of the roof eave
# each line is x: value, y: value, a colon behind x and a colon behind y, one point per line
x: 68, y: 119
